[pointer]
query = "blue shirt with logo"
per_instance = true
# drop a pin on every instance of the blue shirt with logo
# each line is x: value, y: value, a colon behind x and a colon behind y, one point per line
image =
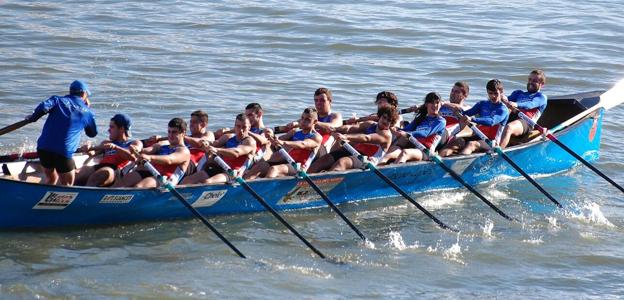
x: 429, y: 126
x: 527, y: 101
x: 67, y: 117
x: 490, y: 114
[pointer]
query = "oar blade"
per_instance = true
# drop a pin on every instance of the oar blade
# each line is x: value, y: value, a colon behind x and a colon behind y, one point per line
x: 613, y: 97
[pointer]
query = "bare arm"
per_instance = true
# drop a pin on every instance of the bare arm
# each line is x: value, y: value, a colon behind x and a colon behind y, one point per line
x: 180, y: 156
x: 246, y: 147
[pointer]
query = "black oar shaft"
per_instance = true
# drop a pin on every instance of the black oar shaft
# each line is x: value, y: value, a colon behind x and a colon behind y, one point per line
x: 266, y: 205
x: 585, y: 162
x: 14, y: 126
x: 396, y: 187
x: 318, y: 190
x: 333, y: 206
x: 411, y: 200
x: 456, y: 176
x: 528, y: 177
x: 186, y: 204
x: 205, y: 221
x: 278, y: 217
x: 475, y: 192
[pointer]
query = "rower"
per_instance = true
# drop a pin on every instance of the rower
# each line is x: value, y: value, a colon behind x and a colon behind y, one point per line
x: 492, y: 117
x: 428, y: 128
x: 532, y: 103
x: 326, y: 119
x: 459, y: 94
x: 199, y: 136
x: 170, y: 160
x: 117, y: 155
x: 236, y: 149
x: 68, y: 116
x: 301, y: 144
x: 371, y: 139
x: 383, y: 99
x: 258, y: 131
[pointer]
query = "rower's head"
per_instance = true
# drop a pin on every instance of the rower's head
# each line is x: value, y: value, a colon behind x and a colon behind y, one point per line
x: 459, y: 92
x: 433, y: 103
x: 386, y: 98
x: 254, y: 112
x: 176, y: 130
x: 309, y: 117
x: 323, y: 100
x: 536, y: 81
x: 80, y: 89
x: 242, y: 124
x: 119, y: 127
x: 199, y: 122
x: 387, y: 117
x: 494, y: 89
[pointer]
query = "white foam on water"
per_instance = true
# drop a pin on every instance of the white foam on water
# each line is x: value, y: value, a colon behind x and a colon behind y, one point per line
x: 591, y: 213
x: 396, y: 241
x: 443, y: 199
x: 308, y: 271
x: 453, y: 253
x: 552, y: 221
x: 368, y: 244
x: 534, y: 241
x: 487, y: 229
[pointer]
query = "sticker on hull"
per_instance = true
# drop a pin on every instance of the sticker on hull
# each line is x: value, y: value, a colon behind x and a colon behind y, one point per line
x: 117, y: 199
x: 303, y: 192
x: 56, y: 200
x: 209, y: 198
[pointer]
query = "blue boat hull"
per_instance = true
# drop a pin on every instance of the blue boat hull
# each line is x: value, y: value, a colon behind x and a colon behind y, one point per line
x: 29, y: 205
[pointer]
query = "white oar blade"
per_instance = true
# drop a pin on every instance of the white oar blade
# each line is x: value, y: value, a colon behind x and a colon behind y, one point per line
x: 614, y: 96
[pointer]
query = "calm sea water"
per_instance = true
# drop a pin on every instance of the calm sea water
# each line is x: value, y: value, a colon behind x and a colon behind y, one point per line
x: 164, y: 59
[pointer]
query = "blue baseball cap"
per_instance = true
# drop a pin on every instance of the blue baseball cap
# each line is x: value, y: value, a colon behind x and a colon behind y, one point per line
x: 79, y: 86
x: 122, y: 120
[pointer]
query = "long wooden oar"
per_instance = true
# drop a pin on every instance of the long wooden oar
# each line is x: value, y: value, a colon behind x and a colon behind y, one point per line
x: 179, y: 196
x: 302, y: 173
x: 385, y: 178
x: 438, y: 160
x: 245, y: 185
x: 14, y: 126
x: 554, y: 139
x: 513, y: 164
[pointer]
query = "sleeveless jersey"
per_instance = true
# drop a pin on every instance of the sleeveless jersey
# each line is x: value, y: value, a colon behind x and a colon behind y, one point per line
x: 238, y: 162
x: 370, y: 150
x: 302, y: 156
x: 112, y: 157
x: 173, y: 172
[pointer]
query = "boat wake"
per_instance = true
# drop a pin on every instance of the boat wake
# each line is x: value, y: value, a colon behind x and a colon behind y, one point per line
x: 590, y: 213
x: 396, y: 241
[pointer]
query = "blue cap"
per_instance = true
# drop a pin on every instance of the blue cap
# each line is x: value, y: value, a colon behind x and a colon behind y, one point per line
x: 79, y: 86
x: 122, y: 120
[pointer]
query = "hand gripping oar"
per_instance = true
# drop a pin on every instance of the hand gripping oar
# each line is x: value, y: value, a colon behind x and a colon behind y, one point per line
x: 385, y: 178
x: 307, y: 178
x: 551, y: 137
x: 14, y: 126
x: 513, y: 164
x: 245, y: 185
x: 177, y: 194
x: 438, y: 160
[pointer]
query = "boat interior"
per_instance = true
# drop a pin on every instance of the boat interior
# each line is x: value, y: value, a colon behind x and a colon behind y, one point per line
x: 558, y: 110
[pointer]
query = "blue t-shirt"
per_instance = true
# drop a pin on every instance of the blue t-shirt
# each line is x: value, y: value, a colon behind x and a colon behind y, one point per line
x: 531, y: 104
x: 490, y: 114
x: 526, y: 100
x: 67, y: 117
x: 429, y: 126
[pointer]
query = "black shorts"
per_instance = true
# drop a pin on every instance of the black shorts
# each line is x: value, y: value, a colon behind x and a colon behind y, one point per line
x: 212, y: 168
x: 525, y: 126
x: 338, y: 154
x: 60, y: 163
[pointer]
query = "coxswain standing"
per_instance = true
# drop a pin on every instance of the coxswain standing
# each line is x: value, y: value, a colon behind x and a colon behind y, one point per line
x: 67, y: 117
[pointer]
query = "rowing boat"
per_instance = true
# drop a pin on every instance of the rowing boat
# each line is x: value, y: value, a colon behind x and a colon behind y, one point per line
x: 577, y: 119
